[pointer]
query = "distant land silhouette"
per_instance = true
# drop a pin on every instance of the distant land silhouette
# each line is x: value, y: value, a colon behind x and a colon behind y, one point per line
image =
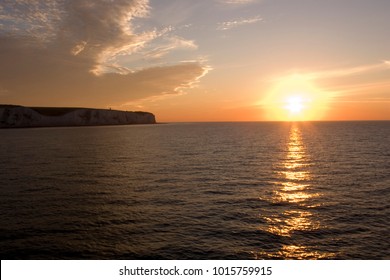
x: 15, y: 116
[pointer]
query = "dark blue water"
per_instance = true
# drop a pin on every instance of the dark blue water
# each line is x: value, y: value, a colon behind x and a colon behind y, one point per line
x: 197, y: 191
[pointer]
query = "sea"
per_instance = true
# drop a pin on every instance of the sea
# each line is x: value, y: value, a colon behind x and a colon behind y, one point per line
x: 261, y: 190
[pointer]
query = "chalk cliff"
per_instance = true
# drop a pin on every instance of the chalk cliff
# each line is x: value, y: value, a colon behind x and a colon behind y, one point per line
x: 19, y: 116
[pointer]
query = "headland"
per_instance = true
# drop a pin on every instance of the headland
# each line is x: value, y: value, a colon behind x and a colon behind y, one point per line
x: 15, y: 116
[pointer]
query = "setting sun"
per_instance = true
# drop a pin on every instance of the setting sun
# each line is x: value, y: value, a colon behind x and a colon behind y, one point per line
x: 295, y: 98
x: 294, y: 104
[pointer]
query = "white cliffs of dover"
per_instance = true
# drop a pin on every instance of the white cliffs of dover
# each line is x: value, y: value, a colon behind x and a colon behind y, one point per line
x: 13, y: 116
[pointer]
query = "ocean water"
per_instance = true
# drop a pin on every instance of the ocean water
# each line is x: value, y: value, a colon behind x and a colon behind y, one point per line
x: 317, y: 190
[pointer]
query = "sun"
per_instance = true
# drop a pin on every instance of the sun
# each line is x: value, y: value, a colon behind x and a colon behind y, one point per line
x: 295, y: 98
x: 294, y: 104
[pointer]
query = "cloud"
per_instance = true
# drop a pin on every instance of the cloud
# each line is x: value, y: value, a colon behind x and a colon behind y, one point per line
x: 71, y: 53
x: 367, y: 82
x: 30, y: 18
x: 343, y: 74
x: 236, y: 23
x: 169, y: 44
x: 350, y: 71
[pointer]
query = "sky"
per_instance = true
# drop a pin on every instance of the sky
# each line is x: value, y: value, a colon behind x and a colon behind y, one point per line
x: 204, y: 60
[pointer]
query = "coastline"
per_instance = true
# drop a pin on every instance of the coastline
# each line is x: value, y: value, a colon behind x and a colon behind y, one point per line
x: 15, y: 116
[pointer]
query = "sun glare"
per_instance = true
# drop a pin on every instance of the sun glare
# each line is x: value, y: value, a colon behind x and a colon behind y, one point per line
x: 295, y: 98
x: 294, y: 104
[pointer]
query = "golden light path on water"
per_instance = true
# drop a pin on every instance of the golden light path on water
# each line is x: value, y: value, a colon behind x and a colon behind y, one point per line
x: 295, y: 194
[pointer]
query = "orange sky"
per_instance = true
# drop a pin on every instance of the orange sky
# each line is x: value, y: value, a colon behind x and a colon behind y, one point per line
x: 206, y: 60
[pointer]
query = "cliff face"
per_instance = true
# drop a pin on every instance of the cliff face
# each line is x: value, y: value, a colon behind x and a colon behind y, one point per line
x: 18, y: 116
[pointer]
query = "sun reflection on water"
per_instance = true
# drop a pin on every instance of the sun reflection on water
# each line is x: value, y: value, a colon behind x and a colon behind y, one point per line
x: 294, y: 252
x: 295, y: 174
x: 293, y: 204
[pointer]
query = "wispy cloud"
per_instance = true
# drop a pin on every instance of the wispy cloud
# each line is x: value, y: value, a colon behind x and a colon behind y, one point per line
x: 350, y: 71
x: 170, y: 43
x: 368, y: 80
x: 71, y: 51
x: 342, y: 72
x: 179, y: 90
x: 30, y: 18
x: 361, y: 83
x: 236, y: 23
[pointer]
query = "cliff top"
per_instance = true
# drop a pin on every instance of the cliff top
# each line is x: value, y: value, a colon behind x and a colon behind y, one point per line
x: 59, y: 111
x: 14, y: 116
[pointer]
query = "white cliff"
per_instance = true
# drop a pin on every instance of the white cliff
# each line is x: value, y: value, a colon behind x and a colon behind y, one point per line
x: 17, y: 116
